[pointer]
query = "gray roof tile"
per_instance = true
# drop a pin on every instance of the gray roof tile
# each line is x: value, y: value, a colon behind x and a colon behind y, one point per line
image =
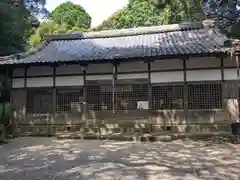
x: 170, y: 40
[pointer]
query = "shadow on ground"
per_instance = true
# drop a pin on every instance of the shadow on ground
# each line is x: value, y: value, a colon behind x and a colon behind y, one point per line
x: 45, y: 158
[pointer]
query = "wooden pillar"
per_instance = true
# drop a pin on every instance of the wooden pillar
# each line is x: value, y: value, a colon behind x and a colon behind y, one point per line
x: 114, y: 79
x: 149, y: 87
x: 222, y: 81
x: 54, y: 94
x: 185, y: 91
x: 150, y: 96
x: 238, y: 84
x: 25, y: 91
x: 85, y: 104
x: 11, y: 93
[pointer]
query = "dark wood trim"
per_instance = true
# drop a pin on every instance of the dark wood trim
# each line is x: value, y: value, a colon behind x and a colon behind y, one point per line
x: 135, y: 72
x: 185, y: 91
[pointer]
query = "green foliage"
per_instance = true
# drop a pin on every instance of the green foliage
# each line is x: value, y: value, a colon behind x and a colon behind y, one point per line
x: 235, y: 31
x: 14, y: 26
x: 72, y: 15
x: 16, y: 22
x: 147, y: 13
x: 66, y: 18
x: 48, y: 28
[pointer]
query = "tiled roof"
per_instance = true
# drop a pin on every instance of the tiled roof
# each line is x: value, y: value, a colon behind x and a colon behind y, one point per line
x: 158, y: 41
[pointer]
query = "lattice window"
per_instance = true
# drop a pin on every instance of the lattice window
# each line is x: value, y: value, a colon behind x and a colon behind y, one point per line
x: 230, y: 90
x: 70, y: 100
x: 99, y: 97
x: 204, y: 96
x: 132, y: 96
x: 39, y: 101
x: 167, y: 96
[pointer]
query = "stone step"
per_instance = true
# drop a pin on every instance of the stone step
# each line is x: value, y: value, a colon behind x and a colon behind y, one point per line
x: 164, y: 136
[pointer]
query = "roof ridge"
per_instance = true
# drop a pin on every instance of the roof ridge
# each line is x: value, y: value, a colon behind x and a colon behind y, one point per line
x: 127, y: 32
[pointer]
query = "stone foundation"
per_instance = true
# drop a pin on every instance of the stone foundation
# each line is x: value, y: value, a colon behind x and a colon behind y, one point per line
x: 134, y: 121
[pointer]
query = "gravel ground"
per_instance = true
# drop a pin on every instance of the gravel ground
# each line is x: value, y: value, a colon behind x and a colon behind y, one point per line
x: 49, y: 159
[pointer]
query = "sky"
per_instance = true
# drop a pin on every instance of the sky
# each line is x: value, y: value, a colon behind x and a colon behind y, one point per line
x: 99, y: 10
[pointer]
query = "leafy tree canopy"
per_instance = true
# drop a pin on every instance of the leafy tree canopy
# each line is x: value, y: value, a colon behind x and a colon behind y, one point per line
x: 146, y: 13
x: 48, y: 28
x: 72, y: 15
x: 66, y: 18
x: 226, y: 12
x: 16, y: 22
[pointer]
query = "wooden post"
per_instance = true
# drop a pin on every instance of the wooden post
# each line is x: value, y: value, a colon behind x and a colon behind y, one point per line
x: 150, y: 97
x: 185, y: 91
x: 54, y: 105
x: 25, y: 91
x: 238, y: 84
x: 114, y: 88
x: 149, y: 87
x: 222, y: 81
x: 85, y: 105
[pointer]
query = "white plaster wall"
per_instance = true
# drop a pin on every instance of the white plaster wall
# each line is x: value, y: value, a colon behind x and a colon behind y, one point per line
x: 203, y: 62
x: 203, y: 75
x: 69, y: 69
x: 40, y: 82
x: 99, y: 77
x: 18, y: 72
x: 18, y: 83
x: 69, y: 81
x: 133, y: 76
x: 230, y: 74
x: 40, y: 70
x: 132, y: 67
x: 100, y: 68
x: 109, y: 88
x: 167, y: 64
x: 164, y: 77
x: 228, y: 62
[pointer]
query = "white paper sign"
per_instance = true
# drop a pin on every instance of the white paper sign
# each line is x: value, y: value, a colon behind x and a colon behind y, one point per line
x: 142, y: 105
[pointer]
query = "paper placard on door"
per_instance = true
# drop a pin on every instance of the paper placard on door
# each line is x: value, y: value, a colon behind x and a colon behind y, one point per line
x: 142, y: 105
